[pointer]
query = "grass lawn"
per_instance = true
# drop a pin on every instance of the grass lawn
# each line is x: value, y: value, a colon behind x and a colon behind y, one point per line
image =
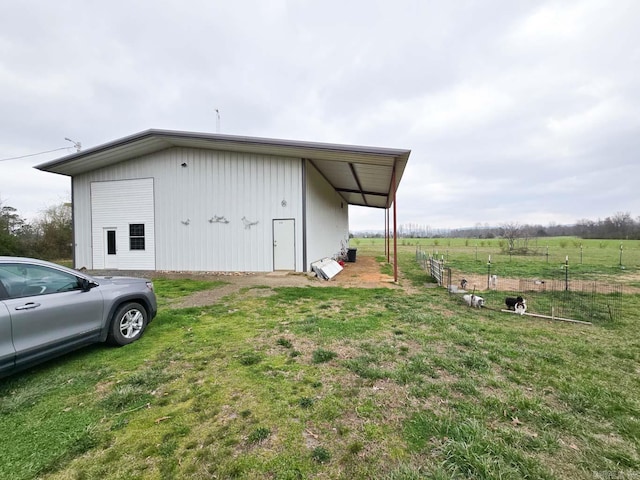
x: 334, y: 383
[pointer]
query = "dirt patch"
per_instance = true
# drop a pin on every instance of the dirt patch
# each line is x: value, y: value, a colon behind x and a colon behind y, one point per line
x: 364, y: 273
x: 479, y: 283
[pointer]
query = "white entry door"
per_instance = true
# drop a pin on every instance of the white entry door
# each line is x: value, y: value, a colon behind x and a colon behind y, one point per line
x: 284, y: 245
x: 110, y: 248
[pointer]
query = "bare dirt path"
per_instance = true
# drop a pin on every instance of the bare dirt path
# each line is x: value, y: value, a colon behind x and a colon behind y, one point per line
x: 363, y: 273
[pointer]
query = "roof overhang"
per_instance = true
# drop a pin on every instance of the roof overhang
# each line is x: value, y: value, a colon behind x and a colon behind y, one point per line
x: 361, y: 175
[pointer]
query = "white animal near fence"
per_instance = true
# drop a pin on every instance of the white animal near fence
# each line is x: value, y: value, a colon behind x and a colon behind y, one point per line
x: 473, y: 300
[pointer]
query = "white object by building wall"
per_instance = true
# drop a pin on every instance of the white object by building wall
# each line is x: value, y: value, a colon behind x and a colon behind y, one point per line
x: 327, y: 218
x: 213, y: 211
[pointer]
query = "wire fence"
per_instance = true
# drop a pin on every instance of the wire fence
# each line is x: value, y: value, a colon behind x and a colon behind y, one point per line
x: 589, y: 301
x: 623, y: 253
x: 554, y: 293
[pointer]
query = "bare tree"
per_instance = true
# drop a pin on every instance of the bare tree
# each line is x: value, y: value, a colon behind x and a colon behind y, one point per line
x: 511, y: 232
x: 517, y: 237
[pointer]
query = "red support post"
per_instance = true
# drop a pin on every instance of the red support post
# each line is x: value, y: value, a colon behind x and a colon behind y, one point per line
x: 395, y: 226
x: 387, y: 250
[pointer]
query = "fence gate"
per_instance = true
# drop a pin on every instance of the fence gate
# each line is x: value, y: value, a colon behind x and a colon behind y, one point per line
x: 437, y: 270
x: 434, y: 267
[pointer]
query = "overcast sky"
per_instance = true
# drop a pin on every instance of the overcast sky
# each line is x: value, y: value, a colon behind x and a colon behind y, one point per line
x: 525, y: 111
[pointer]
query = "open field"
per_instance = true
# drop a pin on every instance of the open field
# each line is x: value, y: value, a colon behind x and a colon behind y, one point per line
x: 588, y: 259
x: 300, y: 382
x: 599, y: 255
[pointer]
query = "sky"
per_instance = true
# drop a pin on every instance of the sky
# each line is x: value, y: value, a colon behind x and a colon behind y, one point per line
x: 523, y: 111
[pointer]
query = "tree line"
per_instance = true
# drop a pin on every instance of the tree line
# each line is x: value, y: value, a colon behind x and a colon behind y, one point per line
x: 620, y: 226
x: 49, y: 236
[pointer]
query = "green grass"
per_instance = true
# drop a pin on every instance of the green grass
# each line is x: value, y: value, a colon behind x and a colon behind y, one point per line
x: 170, y: 289
x: 383, y: 384
x: 386, y: 268
x: 322, y: 356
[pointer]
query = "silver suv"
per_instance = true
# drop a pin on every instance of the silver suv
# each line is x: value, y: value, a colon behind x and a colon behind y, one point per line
x: 47, y: 310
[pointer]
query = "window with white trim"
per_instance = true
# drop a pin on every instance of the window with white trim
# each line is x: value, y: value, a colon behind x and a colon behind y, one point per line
x: 136, y: 236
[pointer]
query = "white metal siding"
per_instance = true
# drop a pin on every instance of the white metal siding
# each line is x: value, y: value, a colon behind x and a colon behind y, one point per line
x: 116, y: 205
x: 82, y: 223
x: 259, y: 188
x: 327, y: 218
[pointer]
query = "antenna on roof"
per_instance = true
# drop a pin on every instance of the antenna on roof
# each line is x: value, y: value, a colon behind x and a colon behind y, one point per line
x: 217, y: 121
x: 78, y: 145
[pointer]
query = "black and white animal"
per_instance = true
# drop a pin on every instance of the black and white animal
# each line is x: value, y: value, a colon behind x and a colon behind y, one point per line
x: 473, y: 300
x: 518, y: 304
x: 463, y: 284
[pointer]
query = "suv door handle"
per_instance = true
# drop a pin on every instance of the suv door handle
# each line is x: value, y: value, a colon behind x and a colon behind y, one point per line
x: 28, y: 306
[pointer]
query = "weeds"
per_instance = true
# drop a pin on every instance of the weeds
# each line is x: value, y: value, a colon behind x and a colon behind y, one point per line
x: 283, y: 342
x: 322, y: 356
x: 250, y: 358
x: 306, y: 402
x: 320, y: 455
x: 260, y: 434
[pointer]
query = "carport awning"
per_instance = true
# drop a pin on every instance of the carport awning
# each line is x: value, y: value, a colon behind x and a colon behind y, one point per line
x: 361, y: 175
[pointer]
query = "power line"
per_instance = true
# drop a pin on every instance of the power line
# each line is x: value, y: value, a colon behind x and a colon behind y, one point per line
x: 33, y: 154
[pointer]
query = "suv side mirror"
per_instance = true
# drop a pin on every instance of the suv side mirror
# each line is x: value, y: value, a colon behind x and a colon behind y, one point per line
x: 85, y: 284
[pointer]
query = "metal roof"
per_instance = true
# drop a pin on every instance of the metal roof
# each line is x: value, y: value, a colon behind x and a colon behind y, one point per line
x: 361, y: 175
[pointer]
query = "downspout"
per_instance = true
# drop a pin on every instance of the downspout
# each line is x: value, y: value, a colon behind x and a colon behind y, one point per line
x: 395, y: 225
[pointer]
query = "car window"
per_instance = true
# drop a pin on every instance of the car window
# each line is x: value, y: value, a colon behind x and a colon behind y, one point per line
x: 22, y: 280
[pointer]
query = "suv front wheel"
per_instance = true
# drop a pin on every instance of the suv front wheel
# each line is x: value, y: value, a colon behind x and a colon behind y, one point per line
x: 128, y: 323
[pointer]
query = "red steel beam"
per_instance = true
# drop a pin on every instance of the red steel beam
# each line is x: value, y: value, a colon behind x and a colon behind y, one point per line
x: 395, y: 226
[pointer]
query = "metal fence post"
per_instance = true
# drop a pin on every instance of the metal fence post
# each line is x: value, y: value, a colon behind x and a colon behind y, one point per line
x: 566, y: 273
x: 488, y: 271
x: 620, y: 254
